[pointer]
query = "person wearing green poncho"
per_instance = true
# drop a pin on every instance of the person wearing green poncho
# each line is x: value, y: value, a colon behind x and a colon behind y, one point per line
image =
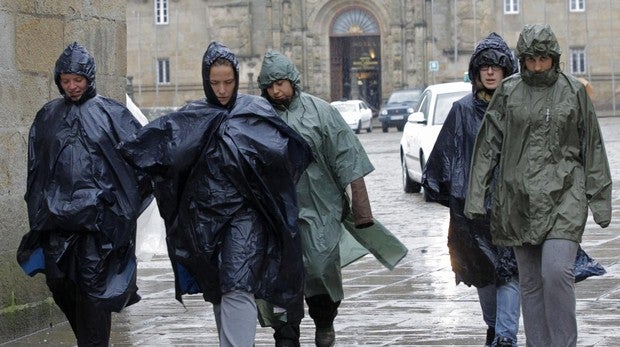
x: 339, y: 161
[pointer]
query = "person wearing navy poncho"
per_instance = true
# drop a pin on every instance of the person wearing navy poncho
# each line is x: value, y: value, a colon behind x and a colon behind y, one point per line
x: 224, y: 170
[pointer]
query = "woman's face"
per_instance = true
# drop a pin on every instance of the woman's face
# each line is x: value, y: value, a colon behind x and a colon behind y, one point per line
x: 222, y: 81
x: 73, y: 85
x: 538, y: 64
x: 490, y: 76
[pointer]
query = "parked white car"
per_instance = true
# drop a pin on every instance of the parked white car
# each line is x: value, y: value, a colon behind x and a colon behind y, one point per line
x: 422, y: 129
x: 356, y: 113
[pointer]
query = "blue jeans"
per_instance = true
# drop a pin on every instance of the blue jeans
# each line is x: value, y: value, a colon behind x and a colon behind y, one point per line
x: 501, y: 309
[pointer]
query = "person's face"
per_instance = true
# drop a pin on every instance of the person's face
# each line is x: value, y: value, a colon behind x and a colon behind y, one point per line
x: 281, y: 91
x: 490, y: 76
x: 222, y: 81
x: 73, y: 85
x: 538, y: 64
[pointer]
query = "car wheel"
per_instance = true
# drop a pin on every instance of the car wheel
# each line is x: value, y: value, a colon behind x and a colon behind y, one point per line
x: 369, y: 129
x: 359, y: 127
x: 400, y: 127
x: 427, y: 196
x: 384, y: 127
x: 409, y: 185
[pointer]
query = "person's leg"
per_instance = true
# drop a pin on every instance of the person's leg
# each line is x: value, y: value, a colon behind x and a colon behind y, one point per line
x: 532, y: 296
x: 558, y: 258
x: 508, y: 313
x: 65, y: 298
x: 237, y: 319
x: 287, y: 334
x: 323, y: 311
x: 487, y: 297
x: 93, y: 324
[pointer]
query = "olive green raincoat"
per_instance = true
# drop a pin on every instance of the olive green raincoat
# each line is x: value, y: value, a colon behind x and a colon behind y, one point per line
x: 339, y: 160
x: 542, y: 131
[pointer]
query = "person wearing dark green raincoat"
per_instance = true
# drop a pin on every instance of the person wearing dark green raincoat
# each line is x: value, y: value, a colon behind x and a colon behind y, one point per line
x: 541, y: 130
x: 340, y: 161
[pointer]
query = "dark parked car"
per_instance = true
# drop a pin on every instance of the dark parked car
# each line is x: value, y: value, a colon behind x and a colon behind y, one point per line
x: 398, y: 108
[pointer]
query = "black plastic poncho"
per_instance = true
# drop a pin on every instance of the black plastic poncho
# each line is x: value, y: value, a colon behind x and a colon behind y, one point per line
x: 83, y: 199
x: 475, y: 260
x: 225, y: 183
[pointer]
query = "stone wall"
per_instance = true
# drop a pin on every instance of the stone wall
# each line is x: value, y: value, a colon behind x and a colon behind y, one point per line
x: 32, y: 36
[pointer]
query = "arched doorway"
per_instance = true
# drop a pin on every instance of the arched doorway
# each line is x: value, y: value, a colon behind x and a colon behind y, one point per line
x: 355, y: 51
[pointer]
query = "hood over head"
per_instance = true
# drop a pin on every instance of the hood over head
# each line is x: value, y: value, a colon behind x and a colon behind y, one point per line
x: 277, y: 66
x: 215, y: 51
x: 491, y: 51
x: 75, y: 59
x: 539, y: 40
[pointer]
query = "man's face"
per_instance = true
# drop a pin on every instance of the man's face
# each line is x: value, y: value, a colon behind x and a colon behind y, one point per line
x: 281, y: 91
x: 222, y: 81
x: 73, y: 85
x: 490, y: 76
x: 538, y: 64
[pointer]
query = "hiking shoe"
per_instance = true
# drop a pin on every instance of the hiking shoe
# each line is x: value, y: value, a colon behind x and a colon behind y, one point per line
x: 325, y: 337
x: 490, y: 337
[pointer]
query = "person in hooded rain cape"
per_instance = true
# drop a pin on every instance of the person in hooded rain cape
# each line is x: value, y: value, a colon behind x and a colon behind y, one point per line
x: 340, y: 161
x: 541, y: 132
x: 475, y: 260
x: 224, y: 171
x: 83, y: 201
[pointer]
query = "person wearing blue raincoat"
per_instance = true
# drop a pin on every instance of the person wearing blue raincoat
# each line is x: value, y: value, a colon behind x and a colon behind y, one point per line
x: 83, y: 201
x: 224, y: 170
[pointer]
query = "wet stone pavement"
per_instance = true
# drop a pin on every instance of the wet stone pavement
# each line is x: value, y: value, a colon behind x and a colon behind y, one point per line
x: 416, y: 304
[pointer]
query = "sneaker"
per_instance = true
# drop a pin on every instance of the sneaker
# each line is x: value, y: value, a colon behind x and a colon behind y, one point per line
x: 490, y: 337
x: 325, y: 337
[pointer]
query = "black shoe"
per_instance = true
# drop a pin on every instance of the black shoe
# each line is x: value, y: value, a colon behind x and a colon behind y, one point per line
x: 286, y: 343
x: 490, y: 337
x: 504, y: 342
x: 325, y: 337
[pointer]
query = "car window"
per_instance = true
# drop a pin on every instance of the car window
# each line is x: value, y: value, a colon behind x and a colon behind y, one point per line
x: 400, y: 97
x: 444, y: 104
x: 345, y: 107
x: 424, y: 104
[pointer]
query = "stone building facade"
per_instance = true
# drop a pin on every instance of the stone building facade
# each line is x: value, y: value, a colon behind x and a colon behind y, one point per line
x: 355, y: 48
x: 33, y: 35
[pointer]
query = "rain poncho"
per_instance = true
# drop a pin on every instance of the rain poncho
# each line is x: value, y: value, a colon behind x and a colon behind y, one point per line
x: 542, y: 131
x: 475, y: 260
x: 225, y: 184
x: 339, y: 160
x: 83, y: 199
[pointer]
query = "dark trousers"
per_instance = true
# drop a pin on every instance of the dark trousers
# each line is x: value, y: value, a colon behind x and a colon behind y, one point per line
x: 91, y: 325
x: 321, y: 309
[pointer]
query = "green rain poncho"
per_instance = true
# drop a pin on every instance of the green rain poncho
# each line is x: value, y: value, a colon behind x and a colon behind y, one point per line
x: 542, y: 131
x: 339, y: 160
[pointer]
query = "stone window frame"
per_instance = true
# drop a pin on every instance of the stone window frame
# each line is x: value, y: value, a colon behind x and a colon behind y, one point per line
x: 163, y: 71
x: 511, y: 6
x: 161, y: 11
x: 577, y: 5
x: 578, y: 61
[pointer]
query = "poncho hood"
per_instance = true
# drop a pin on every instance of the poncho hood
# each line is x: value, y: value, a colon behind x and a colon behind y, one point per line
x: 539, y: 40
x: 277, y: 66
x: 75, y: 59
x: 491, y: 51
x: 217, y: 50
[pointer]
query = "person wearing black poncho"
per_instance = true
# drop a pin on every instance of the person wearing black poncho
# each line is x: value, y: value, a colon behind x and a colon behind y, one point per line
x: 224, y: 171
x: 83, y: 201
x: 475, y: 260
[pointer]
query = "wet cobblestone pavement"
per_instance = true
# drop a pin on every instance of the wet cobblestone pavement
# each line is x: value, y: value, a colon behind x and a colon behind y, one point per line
x: 416, y: 304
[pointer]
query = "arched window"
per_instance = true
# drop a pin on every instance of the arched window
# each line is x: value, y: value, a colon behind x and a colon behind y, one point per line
x: 355, y: 22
